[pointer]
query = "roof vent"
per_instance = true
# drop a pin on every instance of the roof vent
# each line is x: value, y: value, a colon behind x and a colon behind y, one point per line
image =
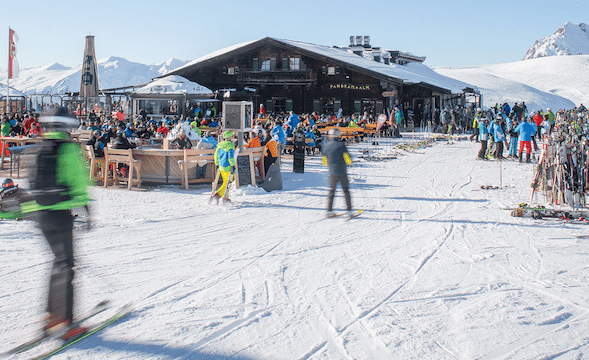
x: 351, y: 40
x: 366, y: 41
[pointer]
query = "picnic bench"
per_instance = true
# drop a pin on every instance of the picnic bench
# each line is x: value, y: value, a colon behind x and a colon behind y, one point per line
x: 192, y: 159
x: 348, y: 133
x: 119, y: 156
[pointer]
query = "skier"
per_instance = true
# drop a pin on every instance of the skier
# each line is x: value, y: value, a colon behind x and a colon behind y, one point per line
x: 225, y: 161
x: 59, y: 182
x: 483, y: 135
x: 526, y: 129
x: 336, y: 157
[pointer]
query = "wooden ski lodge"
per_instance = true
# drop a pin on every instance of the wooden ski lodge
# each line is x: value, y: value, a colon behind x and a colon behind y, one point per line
x: 286, y: 75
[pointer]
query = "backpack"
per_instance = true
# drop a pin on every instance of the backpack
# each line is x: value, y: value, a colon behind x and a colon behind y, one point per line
x: 43, y: 179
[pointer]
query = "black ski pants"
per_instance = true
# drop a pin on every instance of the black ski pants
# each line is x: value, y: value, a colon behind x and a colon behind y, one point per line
x: 57, y: 226
x: 343, y: 180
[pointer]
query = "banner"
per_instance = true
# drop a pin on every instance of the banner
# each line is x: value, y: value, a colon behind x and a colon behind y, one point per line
x: 12, y: 61
x: 89, y: 79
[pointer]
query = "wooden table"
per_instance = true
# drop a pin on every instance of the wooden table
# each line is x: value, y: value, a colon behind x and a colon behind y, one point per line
x: 19, y: 141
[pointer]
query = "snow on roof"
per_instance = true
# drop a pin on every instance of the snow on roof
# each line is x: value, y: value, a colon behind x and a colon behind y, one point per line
x: 215, y: 54
x: 174, y: 84
x: 409, y: 73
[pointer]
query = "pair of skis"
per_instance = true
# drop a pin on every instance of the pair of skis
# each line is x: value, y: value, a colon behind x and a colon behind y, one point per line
x: 352, y: 216
x: 215, y: 184
x: 99, y: 308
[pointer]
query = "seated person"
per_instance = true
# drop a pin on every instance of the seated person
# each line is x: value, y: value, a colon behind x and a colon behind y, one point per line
x: 254, y: 140
x: 214, y: 123
x: 121, y: 142
x: 208, y: 141
x: 271, y: 153
x: 310, y: 144
x: 181, y: 142
x: 163, y: 130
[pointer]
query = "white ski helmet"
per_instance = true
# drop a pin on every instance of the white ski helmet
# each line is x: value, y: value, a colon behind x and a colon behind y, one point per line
x: 58, y: 120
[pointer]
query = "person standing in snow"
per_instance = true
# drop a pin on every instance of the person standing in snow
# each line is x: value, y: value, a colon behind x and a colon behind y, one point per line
x: 483, y: 135
x: 526, y: 129
x: 336, y: 157
x: 225, y: 161
x: 59, y: 181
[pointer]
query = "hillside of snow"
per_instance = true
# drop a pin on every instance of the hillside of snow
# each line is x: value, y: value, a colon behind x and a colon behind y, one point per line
x: 113, y: 72
x: 569, y: 39
x: 559, y: 82
x: 433, y: 269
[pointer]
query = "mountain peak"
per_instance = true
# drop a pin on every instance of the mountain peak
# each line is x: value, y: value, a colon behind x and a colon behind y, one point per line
x: 569, y: 39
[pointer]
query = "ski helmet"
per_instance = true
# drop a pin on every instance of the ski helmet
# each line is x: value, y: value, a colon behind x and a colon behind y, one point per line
x: 227, y: 134
x: 58, y: 120
x: 7, y: 183
x: 334, y: 133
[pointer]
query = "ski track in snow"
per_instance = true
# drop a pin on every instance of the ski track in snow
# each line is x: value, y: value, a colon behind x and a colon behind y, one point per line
x: 432, y: 269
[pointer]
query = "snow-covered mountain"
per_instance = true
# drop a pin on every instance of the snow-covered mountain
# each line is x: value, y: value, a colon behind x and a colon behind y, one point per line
x: 559, y: 82
x: 569, y: 39
x: 112, y: 73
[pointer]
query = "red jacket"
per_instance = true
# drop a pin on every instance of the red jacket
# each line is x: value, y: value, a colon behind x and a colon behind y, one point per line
x: 538, y: 119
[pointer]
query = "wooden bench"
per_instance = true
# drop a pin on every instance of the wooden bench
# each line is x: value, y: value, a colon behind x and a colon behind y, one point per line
x: 370, y: 129
x: 118, y: 156
x: 81, y: 136
x: 348, y: 134
x: 96, y: 164
x: 311, y: 148
x: 192, y: 158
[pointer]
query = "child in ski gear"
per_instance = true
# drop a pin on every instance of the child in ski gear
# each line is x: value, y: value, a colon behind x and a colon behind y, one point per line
x: 336, y: 157
x: 225, y: 161
x: 59, y: 181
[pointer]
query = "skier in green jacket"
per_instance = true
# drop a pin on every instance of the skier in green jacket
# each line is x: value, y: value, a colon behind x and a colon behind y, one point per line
x: 59, y: 181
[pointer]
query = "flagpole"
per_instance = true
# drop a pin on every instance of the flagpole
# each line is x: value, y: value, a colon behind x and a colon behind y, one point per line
x: 8, y: 77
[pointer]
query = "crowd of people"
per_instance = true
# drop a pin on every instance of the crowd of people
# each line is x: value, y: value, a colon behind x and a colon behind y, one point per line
x: 514, y: 130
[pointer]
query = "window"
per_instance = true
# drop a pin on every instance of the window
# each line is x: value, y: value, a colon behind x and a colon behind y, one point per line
x: 255, y: 63
x: 231, y: 71
x: 265, y: 65
x: 331, y: 70
x: 284, y: 63
x: 295, y: 64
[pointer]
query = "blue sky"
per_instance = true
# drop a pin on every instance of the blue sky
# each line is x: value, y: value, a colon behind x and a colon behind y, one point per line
x: 448, y: 33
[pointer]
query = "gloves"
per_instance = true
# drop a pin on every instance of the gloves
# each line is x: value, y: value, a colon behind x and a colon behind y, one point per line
x: 233, y: 169
x: 325, y: 161
x: 347, y: 159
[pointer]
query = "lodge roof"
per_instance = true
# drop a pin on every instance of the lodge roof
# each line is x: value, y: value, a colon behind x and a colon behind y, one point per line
x: 408, y: 74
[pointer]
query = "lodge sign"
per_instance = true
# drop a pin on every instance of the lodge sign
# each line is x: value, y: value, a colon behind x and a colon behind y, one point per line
x: 346, y: 87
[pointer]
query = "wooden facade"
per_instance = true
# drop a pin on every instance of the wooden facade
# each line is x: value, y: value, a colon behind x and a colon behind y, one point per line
x: 285, y: 77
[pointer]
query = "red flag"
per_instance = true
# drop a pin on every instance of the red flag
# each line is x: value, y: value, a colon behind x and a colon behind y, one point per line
x: 12, y: 61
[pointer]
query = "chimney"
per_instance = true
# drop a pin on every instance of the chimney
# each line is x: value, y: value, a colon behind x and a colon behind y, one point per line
x: 386, y: 56
x: 367, y: 41
x: 351, y: 40
x: 376, y: 54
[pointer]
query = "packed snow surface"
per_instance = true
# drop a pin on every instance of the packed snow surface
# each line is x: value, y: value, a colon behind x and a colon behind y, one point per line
x: 433, y: 269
